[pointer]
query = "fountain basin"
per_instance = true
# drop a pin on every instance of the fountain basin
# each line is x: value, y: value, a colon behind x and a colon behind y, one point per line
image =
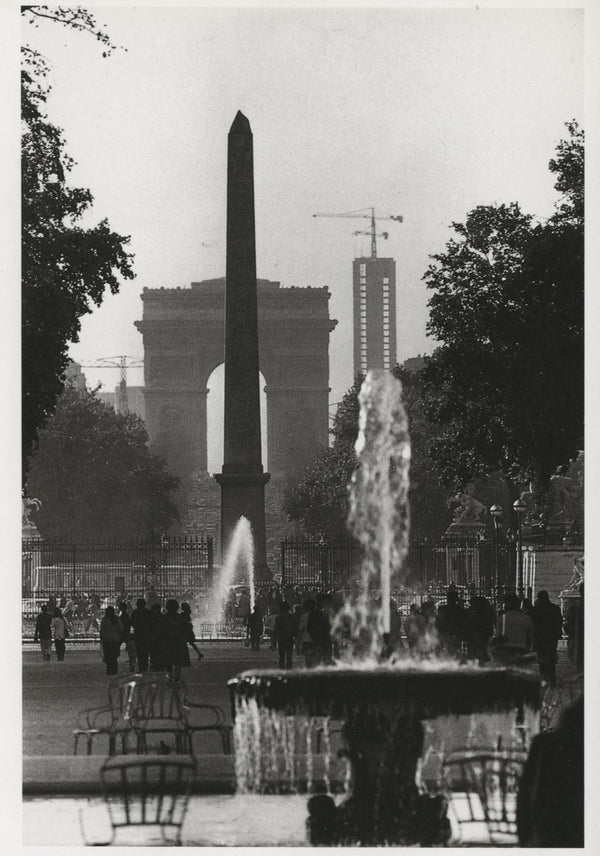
x: 425, y: 692
x: 383, y: 709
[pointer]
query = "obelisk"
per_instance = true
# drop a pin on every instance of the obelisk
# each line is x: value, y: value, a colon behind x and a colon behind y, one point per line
x: 242, y: 479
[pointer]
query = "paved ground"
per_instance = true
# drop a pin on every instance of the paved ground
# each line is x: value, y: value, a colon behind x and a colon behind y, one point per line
x: 54, y: 692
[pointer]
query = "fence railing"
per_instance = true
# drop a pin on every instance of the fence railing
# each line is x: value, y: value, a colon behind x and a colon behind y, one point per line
x: 481, y: 566
x: 171, y: 568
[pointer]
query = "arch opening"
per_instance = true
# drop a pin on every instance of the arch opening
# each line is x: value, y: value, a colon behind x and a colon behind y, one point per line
x: 215, y: 405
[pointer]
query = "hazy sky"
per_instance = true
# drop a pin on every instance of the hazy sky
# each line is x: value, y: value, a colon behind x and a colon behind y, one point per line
x: 420, y: 112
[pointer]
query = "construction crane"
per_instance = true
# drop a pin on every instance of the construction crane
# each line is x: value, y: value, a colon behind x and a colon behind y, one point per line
x: 122, y: 363
x: 373, y: 231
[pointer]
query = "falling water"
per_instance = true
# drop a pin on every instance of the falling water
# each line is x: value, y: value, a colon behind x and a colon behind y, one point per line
x: 237, y: 564
x: 379, y: 516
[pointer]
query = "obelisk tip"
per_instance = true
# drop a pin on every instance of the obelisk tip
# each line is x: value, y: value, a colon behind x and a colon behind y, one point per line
x: 240, y: 124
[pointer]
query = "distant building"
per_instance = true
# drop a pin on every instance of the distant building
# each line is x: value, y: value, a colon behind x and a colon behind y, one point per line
x: 75, y: 376
x: 128, y: 399
x: 374, y: 304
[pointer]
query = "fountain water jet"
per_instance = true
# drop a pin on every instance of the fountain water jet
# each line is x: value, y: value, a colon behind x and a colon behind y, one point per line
x: 238, y: 563
x: 383, y: 706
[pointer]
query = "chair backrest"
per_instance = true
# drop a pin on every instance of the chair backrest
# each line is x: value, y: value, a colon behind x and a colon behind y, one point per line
x: 147, y: 790
x: 488, y: 782
x: 157, y: 700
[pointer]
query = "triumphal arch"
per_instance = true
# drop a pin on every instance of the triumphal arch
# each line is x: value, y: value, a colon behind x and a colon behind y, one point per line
x: 184, y: 341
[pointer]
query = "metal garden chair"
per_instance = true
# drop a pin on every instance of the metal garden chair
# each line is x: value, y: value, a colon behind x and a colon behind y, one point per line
x: 146, y: 798
x: 483, y: 787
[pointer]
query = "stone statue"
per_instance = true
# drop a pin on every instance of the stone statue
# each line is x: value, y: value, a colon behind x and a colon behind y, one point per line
x: 468, y: 509
x: 577, y: 574
x: 559, y: 496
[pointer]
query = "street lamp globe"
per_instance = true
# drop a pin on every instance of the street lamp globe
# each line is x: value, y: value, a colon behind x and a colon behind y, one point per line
x: 519, y: 507
x: 496, y: 511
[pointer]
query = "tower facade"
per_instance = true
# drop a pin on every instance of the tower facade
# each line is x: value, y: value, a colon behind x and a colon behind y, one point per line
x: 374, y: 306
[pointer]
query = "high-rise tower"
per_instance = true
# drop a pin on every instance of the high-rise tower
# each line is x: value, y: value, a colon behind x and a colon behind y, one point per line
x: 374, y: 303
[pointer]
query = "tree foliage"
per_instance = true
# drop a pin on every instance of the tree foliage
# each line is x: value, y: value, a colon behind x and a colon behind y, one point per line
x: 505, y: 386
x: 66, y: 269
x: 94, y: 475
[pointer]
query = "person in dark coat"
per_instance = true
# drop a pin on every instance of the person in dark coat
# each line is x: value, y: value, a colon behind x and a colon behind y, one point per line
x: 142, y: 624
x: 285, y: 630
x: 156, y: 641
x: 550, y: 802
x: 43, y: 632
x: 186, y: 612
x: 111, y: 634
x: 255, y: 628
x: 480, y: 622
x: 547, y: 630
x: 175, y: 635
x: 451, y: 623
x: 128, y: 636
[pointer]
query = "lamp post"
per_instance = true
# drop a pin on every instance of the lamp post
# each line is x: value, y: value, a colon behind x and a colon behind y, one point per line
x: 496, y: 512
x: 519, y: 508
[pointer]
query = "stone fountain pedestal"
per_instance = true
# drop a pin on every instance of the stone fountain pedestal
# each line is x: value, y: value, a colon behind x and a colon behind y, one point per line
x: 383, y: 710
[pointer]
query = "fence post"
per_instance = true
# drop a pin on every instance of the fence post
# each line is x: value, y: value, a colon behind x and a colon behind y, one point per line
x: 283, y: 543
x: 74, y: 587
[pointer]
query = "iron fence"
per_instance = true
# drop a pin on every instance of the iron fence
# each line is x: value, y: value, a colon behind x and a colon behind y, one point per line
x: 95, y: 571
x: 476, y: 567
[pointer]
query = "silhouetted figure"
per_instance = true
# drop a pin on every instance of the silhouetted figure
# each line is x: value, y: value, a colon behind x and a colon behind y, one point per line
x: 43, y: 632
x: 451, y: 623
x: 176, y: 632
x: 480, y: 622
x: 551, y: 800
x: 60, y: 631
x: 156, y: 646
x: 284, y: 632
x: 111, y: 633
x: 186, y: 612
x: 128, y: 636
x: 142, y: 626
x: 514, y: 634
x: 255, y: 628
x: 547, y: 630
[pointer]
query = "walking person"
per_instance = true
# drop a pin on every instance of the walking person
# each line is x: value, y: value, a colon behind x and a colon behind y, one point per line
x: 128, y: 636
x: 43, y: 632
x: 60, y: 632
x: 284, y: 632
x: 547, y: 630
x: 141, y: 625
x: 255, y: 628
x: 111, y: 633
x: 175, y: 635
x: 186, y: 612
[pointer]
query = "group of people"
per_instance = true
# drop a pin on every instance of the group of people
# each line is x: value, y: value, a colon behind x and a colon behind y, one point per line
x: 305, y: 629
x: 153, y: 638
x: 51, y: 625
x: 519, y: 629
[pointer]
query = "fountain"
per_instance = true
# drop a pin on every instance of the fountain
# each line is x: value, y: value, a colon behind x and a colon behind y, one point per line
x: 383, y: 705
x: 238, y: 563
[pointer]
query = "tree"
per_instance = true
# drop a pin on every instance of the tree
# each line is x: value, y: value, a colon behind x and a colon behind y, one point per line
x: 320, y: 500
x: 505, y: 386
x: 94, y: 475
x: 66, y: 269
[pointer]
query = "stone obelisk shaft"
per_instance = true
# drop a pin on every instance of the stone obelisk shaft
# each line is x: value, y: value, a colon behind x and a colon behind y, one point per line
x: 242, y: 479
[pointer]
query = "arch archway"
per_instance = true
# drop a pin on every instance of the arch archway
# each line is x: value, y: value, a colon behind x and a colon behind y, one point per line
x: 184, y: 330
x: 215, y: 386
